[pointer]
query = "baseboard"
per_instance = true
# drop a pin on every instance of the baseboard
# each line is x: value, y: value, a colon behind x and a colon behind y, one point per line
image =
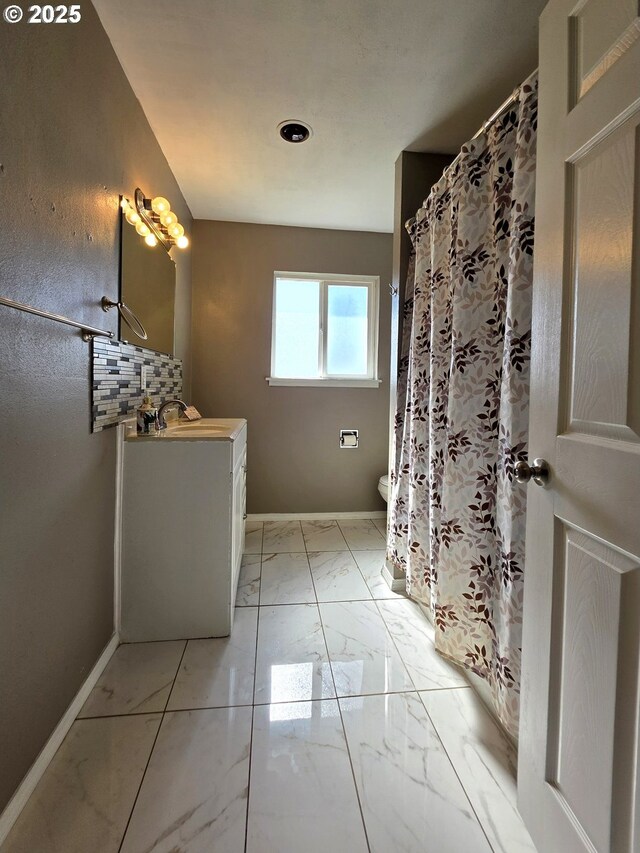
x: 394, y: 584
x: 479, y: 686
x: 28, y: 784
x: 314, y: 516
x: 482, y: 689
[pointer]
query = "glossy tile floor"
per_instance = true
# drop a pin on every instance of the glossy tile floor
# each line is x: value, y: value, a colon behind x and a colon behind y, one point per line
x: 325, y: 722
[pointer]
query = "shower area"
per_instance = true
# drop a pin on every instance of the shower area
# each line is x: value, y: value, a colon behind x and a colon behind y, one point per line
x: 456, y: 511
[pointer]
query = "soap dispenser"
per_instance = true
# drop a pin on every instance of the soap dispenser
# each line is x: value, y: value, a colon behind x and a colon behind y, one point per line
x: 147, y: 418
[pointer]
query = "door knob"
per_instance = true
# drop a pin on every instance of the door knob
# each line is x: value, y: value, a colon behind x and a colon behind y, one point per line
x: 538, y: 472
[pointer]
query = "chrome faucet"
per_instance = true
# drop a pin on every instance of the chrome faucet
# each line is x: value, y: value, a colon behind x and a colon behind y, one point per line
x: 162, y: 424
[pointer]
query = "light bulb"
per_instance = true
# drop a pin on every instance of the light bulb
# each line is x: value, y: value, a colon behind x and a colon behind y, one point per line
x: 168, y: 218
x: 182, y: 242
x: 176, y: 230
x: 142, y: 228
x: 160, y: 205
x: 124, y: 204
x: 151, y: 240
x: 132, y: 216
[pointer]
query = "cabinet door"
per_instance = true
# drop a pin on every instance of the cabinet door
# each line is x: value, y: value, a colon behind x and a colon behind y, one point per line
x: 239, y: 501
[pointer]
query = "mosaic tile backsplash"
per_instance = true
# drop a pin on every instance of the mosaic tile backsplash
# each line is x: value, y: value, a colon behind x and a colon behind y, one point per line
x: 116, y: 390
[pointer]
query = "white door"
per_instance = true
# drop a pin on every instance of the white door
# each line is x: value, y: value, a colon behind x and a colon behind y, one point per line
x: 579, y: 783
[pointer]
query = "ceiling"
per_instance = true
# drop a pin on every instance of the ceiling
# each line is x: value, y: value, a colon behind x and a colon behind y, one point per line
x: 371, y: 77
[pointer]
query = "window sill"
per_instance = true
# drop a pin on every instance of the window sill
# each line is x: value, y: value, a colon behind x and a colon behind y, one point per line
x: 325, y: 383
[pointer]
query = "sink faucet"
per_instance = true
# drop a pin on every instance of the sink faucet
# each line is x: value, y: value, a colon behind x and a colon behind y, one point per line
x: 162, y: 424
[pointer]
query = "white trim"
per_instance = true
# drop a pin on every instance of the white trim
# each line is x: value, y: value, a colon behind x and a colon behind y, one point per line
x: 117, y: 532
x: 313, y: 516
x: 322, y: 335
x: 394, y: 584
x: 37, y: 769
x: 324, y: 280
x: 325, y: 383
x: 343, y: 278
x: 373, y: 328
x: 479, y: 685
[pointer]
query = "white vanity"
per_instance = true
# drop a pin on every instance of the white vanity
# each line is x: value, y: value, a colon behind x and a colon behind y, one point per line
x: 183, y: 511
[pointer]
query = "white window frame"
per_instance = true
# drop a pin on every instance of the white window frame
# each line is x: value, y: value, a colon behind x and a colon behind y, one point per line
x: 371, y: 380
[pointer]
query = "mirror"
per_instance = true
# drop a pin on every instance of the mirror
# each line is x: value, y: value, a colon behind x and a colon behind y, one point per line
x: 148, y: 288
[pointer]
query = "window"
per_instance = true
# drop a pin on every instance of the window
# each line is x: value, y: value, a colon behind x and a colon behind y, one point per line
x: 325, y: 330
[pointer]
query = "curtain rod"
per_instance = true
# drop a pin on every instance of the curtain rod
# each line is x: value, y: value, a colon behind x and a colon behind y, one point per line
x: 487, y: 124
x: 503, y: 106
x: 496, y: 114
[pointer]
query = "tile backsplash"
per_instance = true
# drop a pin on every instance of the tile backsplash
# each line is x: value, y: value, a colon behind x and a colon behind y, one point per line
x: 116, y: 368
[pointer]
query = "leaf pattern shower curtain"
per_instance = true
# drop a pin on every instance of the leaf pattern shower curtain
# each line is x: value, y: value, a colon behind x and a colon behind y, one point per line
x: 457, y: 517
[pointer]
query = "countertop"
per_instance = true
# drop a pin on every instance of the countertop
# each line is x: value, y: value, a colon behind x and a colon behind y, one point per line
x: 205, y: 429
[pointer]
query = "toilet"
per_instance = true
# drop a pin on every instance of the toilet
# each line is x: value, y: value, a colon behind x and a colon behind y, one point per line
x: 383, y: 487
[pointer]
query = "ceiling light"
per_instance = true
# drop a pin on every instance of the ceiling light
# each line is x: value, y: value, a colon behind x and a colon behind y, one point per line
x: 293, y: 130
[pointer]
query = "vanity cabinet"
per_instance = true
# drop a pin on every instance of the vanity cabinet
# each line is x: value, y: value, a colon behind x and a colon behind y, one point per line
x: 183, y: 519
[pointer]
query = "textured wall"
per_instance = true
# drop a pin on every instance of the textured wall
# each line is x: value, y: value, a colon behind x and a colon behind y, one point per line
x: 294, y: 462
x: 73, y: 138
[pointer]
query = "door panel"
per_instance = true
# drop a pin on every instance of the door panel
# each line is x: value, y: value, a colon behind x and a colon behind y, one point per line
x: 603, y: 32
x: 604, y: 400
x: 595, y: 488
x: 595, y: 602
x: 579, y: 787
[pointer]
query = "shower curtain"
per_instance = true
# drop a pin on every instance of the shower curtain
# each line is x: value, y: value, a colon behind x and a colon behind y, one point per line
x: 457, y: 516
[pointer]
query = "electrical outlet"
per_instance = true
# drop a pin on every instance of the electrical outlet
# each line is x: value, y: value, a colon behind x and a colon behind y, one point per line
x: 143, y: 378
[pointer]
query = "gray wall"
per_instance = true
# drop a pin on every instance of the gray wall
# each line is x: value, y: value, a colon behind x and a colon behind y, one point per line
x: 295, y: 464
x: 415, y: 174
x: 73, y: 137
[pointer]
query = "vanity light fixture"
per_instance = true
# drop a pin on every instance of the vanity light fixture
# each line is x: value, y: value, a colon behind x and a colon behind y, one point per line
x: 154, y: 221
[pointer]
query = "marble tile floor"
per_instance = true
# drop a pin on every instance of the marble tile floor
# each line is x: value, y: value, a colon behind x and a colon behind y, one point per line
x: 326, y: 721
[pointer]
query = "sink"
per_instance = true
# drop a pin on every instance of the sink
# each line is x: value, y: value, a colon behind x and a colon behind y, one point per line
x: 197, y: 427
x: 206, y: 429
